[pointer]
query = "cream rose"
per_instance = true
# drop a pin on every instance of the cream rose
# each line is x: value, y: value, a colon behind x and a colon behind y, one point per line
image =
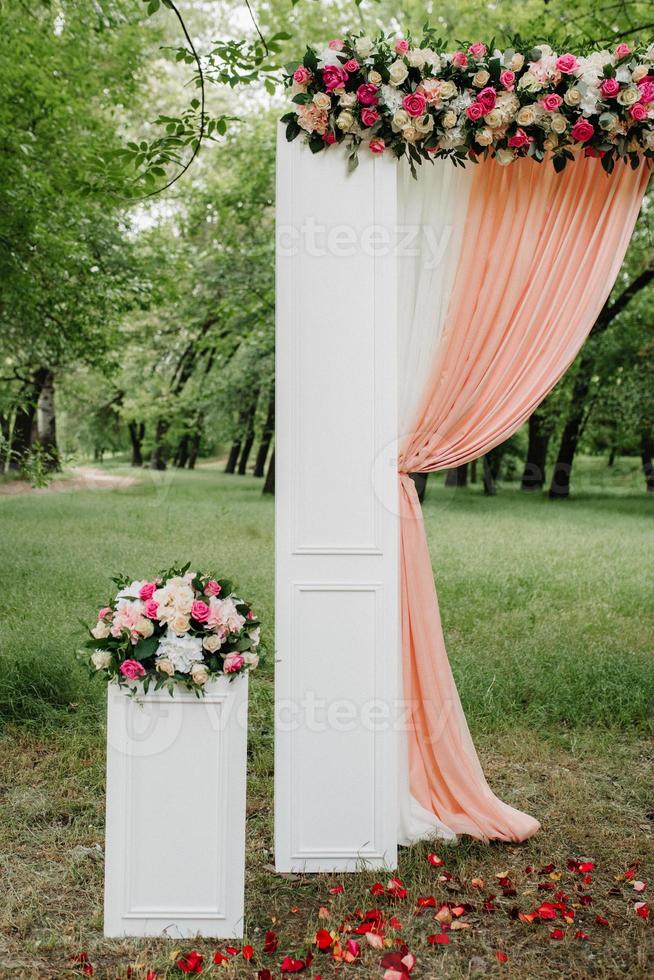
x: 416, y: 58
x: 516, y: 62
x: 572, y: 97
x: 363, y: 47
x: 145, y: 627
x: 484, y: 137
x: 526, y: 116
x: 608, y: 121
x: 424, y: 124
x: 530, y: 82
x: 212, y: 643
x: 400, y: 119
x: 480, y: 78
x: 447, y: 90
x: 374, y: 78
x: 180, y: 624
x: 639, y: 73
x: 493, y: 118
x: 551, y: 142
x: 165, y: 666
x: 449, y: 120
x: 628, y: 96
x: 345, y: 120
x: 504, y: 157
x: 100, y: 659
x: 321, y: 100
x: 347, y: 100
x: 100, y: 630
x: 200, y: 674
x: 251, y: 659
x: 397, y: 72
x: 410, y: 134
x: 558, y: 123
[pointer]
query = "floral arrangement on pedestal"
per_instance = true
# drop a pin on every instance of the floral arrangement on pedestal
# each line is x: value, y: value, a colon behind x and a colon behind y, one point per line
x: 418, y: 101
x: 180, y: 627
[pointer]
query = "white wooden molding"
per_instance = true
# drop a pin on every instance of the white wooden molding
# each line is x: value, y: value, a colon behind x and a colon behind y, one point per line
x: 175, y: 829
x: 337, y: 596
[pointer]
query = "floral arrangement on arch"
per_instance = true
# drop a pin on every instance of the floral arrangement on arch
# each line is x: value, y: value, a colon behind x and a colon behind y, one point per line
x: 180, y: 627
x: 418, y: 101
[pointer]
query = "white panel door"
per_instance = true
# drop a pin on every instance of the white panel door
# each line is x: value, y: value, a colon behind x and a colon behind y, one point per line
x: 337, y: 615
x: 175, y: 838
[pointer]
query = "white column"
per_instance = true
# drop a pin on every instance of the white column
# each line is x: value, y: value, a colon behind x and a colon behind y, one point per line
x: 175, y: 837
x: 337, y: 598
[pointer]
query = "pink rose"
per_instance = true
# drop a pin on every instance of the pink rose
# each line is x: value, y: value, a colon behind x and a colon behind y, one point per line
x: 302, y: 75
x: 459, y: 59
x: 507, y: 79
x: 147, y: 590
x: 212, y: 587
x: 478, y: 50
x: 105, y: 611
x: 377, y: 146
x: 200, y: 611
x: 415, y: 104
x: 646, y: 90
x: 610, y: 87
x: 567, y: 63
x: 488, y: 98
x: 638, y: 112
x: 132, y: 669
x: 351, y: 65
x: 401, y: 46
x: 475, y: 111
x: 582, y: 131
x: 551, y: 102
x: 367, y: 94
x: 151, y: 609
x: 250, y: 614
x: 622, y: 50
x: 233, y: 662
x: 369, y: 117
x: 334, y: 76
x: 328, y: 138
x: 520, y: 139
x: 336, y: 44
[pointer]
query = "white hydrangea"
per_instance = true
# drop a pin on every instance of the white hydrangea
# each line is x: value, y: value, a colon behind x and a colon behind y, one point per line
x: 391, y: 97
x: 181, y: 651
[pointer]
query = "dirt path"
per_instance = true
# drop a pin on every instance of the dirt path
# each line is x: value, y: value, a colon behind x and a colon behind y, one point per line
x: 76, y: 478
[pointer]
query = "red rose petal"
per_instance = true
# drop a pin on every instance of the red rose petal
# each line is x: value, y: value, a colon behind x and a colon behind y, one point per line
x: 271, y: 941
x: 642, y: 909
x: 557, y: 934
x: 248, y: 952
x: 435, y: 861
x: 601, y: 921
x: 323, y: 939
x: 426, y: 902
x: 337, y: 890
x: 438, y: 939
x: 500, y: 956
x: 581, y: 935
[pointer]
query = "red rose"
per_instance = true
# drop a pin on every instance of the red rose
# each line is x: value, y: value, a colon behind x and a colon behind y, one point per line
x: 377, y: 146
x: 369, y: 117
x: 475, y: 111
x: 610, y: 87
x: 328, y: 138
x: 367, y: 94
x: 520, y: 139
x: 582, y: 131
x: 488, y: 98
x: 415, y: 104
x: 334, y: 76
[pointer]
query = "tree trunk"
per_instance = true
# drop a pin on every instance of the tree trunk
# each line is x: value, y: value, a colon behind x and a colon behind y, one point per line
x: 473, y: 471
x: 21, y: 439
x: 533, y: 475
x: 269, y: 485
x: 158, y: 454
x: 612, y: 456
x: 457, y: 477
x: 181, y: 456
x: 420, y: 480
x: 266, y: 438
x: 232, y: 459
x: 46, y: 423
x: 489, y: 480
x: 194, y: 447
x: 646, y: 453
x: 136, y: 433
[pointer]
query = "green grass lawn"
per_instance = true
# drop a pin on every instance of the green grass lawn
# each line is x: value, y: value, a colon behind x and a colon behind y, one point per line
x: 548, y: 615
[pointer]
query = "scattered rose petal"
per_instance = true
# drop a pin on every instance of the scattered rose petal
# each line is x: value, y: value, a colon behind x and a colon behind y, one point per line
x: 248, y: 952
x: 500, y: 956
x: 435, y: 861
x: 324, y: 939
x: 395, y: 923
x: 557, y: 934
x: 271, y: 942
x: 579, y: 934
x: 642, y: 909
x: 426, y: 902
x: 478, y: 883
x: 374, y: 939
x: 264, y: 975
x: 290, y: 965
x: 640, y: 886
x: 601, y: 921
x: 219, y: 957
x: 337, y: 890
x: 377, y: 889
x: 396, y: 888
x: 324, y: 913
x: 438, y: 939
x: 191, y: 962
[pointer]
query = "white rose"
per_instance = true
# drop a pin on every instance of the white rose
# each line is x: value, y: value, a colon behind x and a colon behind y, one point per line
x: 529, y: 82
x: 363, y: 47
x: 251, y: 659
x: 416, y: 58
x: 255, y: 637
x: 212, y: 643
x: 493, y: 118
x: 516, y: 62
x: 374, y: 78
x: 345, y: 120
x: 131, y: 591
x: 432, y: 59
x: 447, y: 90
x: 347, y: 100
x: 182, y: 651
x: 504, y: 157
x: 572, y: 97
x: 480, y: 78
x: 526, y: 116
x: 164, y: 666
x: 321, y: 100
x: 200, y: 674
x: 180, y: 624
x: 100, y: 630
x: 628, y: 96
x: 558, y: 123
x: 397, y: 72
x: 639, y: 73
x: 484, y: 137
x: 424, y: 124
x: 608, y: 121
x: 400, y: 120
x: 100, y: 659
x: 449, y: 120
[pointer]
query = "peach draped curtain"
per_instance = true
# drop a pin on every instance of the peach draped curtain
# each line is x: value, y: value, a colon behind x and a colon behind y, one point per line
x: 539, y: 256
